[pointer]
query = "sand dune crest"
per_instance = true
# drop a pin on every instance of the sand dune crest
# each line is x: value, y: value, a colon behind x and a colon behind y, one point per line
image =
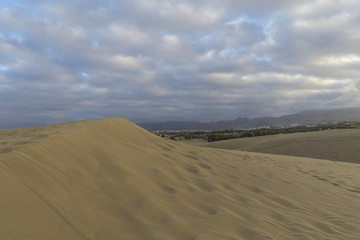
x: 110, y: 179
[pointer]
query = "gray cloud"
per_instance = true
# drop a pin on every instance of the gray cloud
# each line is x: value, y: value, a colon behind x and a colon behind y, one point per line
x: 159, y: 60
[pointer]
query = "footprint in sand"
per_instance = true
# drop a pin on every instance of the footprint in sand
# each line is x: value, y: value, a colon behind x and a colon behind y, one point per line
x: 254, y: 189
x: 212, y: 211
x: 169, y: 189
x: 191, y: 156
x: 205, y: 166
x: 192, y: 169
x: 205, y: 186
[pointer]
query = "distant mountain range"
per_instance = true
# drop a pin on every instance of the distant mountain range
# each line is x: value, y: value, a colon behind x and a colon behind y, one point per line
x: 300, y: 118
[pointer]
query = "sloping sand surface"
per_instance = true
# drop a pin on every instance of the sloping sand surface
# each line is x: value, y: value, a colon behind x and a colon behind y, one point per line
x: 110, y: 179
x: 336, y: 145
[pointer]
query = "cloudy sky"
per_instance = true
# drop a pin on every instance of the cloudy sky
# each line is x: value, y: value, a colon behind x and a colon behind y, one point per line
x: 149, y: 60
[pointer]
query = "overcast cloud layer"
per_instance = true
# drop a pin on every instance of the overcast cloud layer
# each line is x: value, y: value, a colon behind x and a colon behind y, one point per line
x: 190, y: 60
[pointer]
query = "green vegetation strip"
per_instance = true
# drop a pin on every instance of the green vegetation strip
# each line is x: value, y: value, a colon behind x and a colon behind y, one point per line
x: 212, y: 136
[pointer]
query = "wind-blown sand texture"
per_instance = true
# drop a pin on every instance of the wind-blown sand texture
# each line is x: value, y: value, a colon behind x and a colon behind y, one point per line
x: 336, y: 145
x: 110, y: 179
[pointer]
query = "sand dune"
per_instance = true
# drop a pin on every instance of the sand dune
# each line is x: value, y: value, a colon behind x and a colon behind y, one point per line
x: 336, y: 145
x: 110, y: 179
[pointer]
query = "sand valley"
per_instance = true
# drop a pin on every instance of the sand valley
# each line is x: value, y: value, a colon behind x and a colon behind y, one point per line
x: 335, y: 145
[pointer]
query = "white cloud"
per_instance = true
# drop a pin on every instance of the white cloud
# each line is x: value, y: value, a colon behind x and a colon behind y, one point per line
x: 339, y: 60
x: 126, y: 62
x: 162, y: 58
x: 236, y: 22
x: 128, y: 35
x: 175, y: 48
x: 221, y: 78
x: 206, y: 56
x: 159, y: 92
x: 177, y: 15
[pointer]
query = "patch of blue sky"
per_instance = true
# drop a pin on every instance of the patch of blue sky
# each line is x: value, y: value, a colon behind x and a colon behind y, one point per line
x: 4, y: 68
x: 25, y: 6
x: 233, y: 51
x: 263, y: 22
x: 18, y: 37
x: 267, y: 26
x: 85, y: 75
x: 245, y: 17
x: 10, y: 4
x: 266, y: 58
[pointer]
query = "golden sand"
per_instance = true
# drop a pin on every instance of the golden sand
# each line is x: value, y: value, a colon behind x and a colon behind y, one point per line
x: 336, y: 145
x: 110, y: 179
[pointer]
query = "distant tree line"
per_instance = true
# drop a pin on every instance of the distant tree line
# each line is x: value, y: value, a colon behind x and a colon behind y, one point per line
x: 212, y: 136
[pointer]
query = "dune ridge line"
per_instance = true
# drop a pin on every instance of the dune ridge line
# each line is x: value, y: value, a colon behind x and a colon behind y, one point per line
x: 111, y: 179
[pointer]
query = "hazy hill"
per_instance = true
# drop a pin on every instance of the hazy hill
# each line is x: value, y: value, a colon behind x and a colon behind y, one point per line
x: 305, y: 117
x: 110, y: 179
